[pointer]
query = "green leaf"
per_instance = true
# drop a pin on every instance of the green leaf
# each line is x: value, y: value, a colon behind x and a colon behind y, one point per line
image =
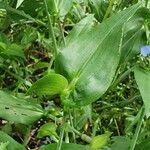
x: 120, y: 143
x: 100, y: 141
x: 142, y: 77
x: 84, y: 25
x: 133, y: 35
x: 29, y: 36
x: 19, y: 2
x: 98, y: 8
x: 14, y: 50
x: 83, y: 114
x: 64, y: 6
x: 30, y: 9
x: 90, y: 61
x: 66, y: 146
x: 59, y: 7
x: 11, y: 50
x: 52, y: 6
x: 144, y: 145
x: 51, y: 84
x: 11, y: 143
x: 48, y: 129
x: 19, y: 110
x: 3, y: 146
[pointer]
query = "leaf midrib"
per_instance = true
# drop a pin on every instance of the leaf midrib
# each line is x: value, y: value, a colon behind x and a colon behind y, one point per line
x: 81, y: 69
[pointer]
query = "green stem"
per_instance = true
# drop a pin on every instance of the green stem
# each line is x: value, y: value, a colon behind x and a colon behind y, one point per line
x: 109, y: 9
x: 26, y: 138
x: 61, y: 138
x: 146, y: 3
x: 137, y: 131
x: 71, y: 123
x: 62, y: 32
x: 95, y: 127
x: 51, y: 31
x: 50, y: 64
x: 75, y: 131
x: 84, y: 137
x: 117, y: 127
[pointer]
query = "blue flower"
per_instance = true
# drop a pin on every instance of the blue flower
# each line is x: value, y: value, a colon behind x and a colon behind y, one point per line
x: 145, y: 50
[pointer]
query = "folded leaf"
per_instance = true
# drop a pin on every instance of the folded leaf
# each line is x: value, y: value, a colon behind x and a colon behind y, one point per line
x: 19, y: 110
x: 142, y: 77
x: 90, y: 61
x: 50, y: 84
x: 48, y: 129
x: 100, y: 141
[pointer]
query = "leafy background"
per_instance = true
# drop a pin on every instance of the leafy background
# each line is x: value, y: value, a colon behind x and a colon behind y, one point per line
x: 72, y: 75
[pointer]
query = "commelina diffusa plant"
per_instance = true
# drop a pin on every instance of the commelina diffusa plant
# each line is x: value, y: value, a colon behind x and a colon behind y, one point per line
x: 75, y: 74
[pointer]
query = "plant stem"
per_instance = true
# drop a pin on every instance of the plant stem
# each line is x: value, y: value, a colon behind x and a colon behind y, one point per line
x: 62, y: 32
x: 84, y: 137
x: 71, y: 123
x: 109, y: 9
x: 51, y: 31
x: 26, y: 138
x: 137, y: 131
x: 117, y: 127
x: 146, y: 3
x: 95, y: 127
x: 61, y: 138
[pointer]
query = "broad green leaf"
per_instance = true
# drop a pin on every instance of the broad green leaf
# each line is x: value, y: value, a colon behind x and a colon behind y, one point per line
x: 100, y: 141
x: 142, y: 77
x: 51, y: 84
x: 133, y: 35
x: 12, y: 144
x: 84, y: 25
x: 66, y: 146
x: 19, y: 110
x: 48, y: 129
x: 90, y: 61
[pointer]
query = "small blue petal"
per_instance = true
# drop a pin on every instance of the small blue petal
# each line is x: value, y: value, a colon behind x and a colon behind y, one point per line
x: 145, y: 50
